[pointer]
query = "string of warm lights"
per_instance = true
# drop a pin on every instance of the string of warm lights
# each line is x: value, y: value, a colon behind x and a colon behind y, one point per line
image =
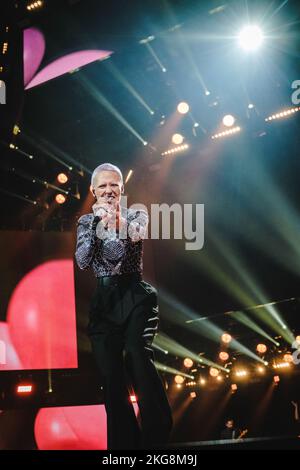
x: 282, y: 114
x: 234, y: 130
x: 35, y: 5
x: 180, y: 148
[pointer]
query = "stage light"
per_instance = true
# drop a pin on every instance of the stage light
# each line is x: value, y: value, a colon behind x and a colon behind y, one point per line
x: 261, y: 348
x: 288, y: 358
x: 234, y: 130
x: 281, y: 365
x: 226, y: 338
x: 202, y: 381
x: 128, y: 176
x: 179, y: 385
x: 183, y: 108
x: 219, y: 378
x: 16, y: 129
x: 193, y: 394
x: 24, y: 388
x: 177, y: 139
x: 250, y: 37
x: 133, y: 399
x: 196, y: 124
x: 228, y: 120
x: 188, y: 362
x: 60, y: 198
x: 34, y: 5
x: 62, y: 178
x: 207, y: 92
x: 283, y: 114
x: 261, y: 370
x: 234, y: 387
x: 250, y: 106
x: 241, y: 373
x: 190, y: 384
x: 214, y: 372
x: 276, y: 378
x: 173, y: 150
x: 179, y: 379
x: 224, y: 356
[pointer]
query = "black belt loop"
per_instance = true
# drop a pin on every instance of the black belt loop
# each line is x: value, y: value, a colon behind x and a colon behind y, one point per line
x: 119, y: 279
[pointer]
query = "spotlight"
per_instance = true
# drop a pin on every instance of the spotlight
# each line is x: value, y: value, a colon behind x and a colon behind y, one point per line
x: 177, y: 139
x: 219, y: 378
x: 188, y: 362
x: 145, y: 143
x: 228, y: 120
x: 24, y: 388
x: 179, y: 379
x: 234, y: 387
x: 224, y: 356
x: 214, y: 372
x: 207, y: 92
x: 179, y: 385
x: 60, y: 198
x: 276, y: 379
x: 261, y: 348
x: 250, y: 106
x: 261, y: 370
x: 250, y: 37
x: 193, y: 394
x: 202, y: 381
x: 133, y: 399
x: 62, y: 178
x: 226, y: 338
x: 183, y: 107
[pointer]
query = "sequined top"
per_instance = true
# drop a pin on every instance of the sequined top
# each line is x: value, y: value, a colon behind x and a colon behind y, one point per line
x: 111, y: 255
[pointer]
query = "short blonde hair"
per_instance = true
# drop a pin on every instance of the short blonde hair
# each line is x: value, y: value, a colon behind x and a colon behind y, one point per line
x: 106, y: 167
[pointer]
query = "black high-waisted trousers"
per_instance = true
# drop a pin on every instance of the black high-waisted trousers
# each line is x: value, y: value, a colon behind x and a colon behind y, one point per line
x: 123, y: 321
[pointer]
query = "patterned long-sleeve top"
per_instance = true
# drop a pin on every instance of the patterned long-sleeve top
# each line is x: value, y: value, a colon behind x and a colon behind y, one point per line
x: 111, y: 255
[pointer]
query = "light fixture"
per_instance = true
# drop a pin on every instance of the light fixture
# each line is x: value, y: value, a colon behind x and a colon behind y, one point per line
x: 177, y: 139
x: 234, y: 130
x: 228, y: 120
x: 250, y: 37
x: 183, y: 107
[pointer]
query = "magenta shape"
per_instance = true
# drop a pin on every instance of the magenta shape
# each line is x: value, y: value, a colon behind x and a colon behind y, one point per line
x: 66, y: 64
x: 42, y: 319
x: 33, y: 52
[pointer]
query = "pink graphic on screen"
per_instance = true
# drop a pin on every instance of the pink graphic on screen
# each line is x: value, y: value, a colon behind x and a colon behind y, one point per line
x: 41, y: 319
x: 34, y: 50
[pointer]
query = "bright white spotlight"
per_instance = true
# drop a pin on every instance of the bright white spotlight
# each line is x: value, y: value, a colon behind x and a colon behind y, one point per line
x: 177, y: 139
x: 228, y: 120
x: 250, y: 37
x: 183, y: 108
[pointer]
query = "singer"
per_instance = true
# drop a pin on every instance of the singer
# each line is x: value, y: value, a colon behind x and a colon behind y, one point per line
x: 123, y: 316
